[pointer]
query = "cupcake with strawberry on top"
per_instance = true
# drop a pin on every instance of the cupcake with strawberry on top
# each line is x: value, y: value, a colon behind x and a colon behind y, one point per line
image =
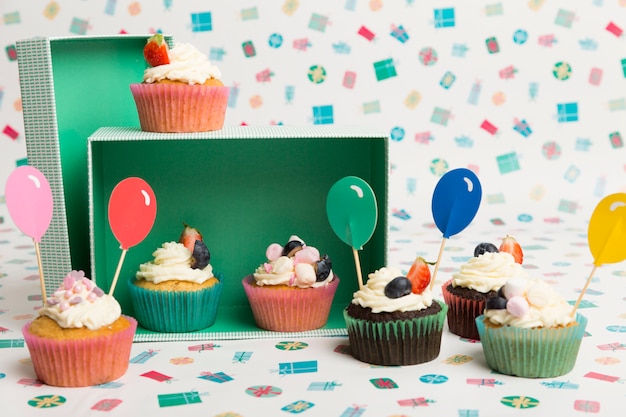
x: 478, y: 280
x: 181, y: 90
x: 178, y: 290
x: 394, y: 319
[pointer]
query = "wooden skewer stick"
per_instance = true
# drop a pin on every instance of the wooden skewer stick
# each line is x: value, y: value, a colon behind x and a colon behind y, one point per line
x: 357, y: 263
x: 40, y: 267
x: 117, y: 271
x: 432, y: 280
x: 582, y: 292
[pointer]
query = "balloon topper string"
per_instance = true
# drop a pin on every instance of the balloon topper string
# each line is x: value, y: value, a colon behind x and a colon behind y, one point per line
x: 606, y: 235
x: 29, y: 200
x: 455, y: 202
x: 352, y: 213
x: 132, y: 211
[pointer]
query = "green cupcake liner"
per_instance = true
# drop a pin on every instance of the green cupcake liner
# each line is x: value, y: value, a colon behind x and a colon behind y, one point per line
x: 399, y: 342
x: 531, y: 353
x: 176, y: 311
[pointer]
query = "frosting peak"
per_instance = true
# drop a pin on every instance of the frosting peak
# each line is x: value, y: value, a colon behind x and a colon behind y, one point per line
x: 172, y: 261
x: 372, y: 294
x: 78, y: 302
x: 187, y: 64
x: 488, y: 272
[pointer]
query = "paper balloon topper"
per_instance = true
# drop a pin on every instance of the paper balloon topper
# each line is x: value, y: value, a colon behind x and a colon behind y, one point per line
x: 455, y: 202
x: 132, y: 211
x: 606, y: 235
x: 352, y: 213
x: 29, y: 200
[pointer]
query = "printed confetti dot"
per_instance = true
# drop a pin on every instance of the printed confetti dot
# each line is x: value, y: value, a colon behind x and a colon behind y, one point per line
x: 458, y: 360
x: 562, y: 71
x: 263, y: 391
x: 183, y: 360
x: 291, y: 345
x: 428, y: 56
x: 520, y: 402
x: 47, y: 401
x: 316, y: 74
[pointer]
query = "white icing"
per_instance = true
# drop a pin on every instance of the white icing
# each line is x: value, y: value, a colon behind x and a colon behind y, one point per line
x: 172, y: 261
x: 488, y: 272
x: 187, y: 64
x: 372, y: 294
x: 80, y: 303
x: 547, y: 308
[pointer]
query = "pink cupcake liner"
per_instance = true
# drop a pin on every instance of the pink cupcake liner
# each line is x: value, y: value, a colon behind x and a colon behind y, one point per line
x: 177, y: 108
x: 462, y: 313
x: 290, y: 310
x: 80, y: 362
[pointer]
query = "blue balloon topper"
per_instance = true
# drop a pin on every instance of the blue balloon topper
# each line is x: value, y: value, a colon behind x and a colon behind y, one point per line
x: 456, y: 200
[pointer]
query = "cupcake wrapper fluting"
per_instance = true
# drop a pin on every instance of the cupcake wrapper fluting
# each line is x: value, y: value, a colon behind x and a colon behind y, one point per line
x: 175, y: 311
x: 290, y: 309
x: 172, y: 108
x: 80, y: 362
x: 462, y: 313
x: 396, y: 343
x: 531, y: 353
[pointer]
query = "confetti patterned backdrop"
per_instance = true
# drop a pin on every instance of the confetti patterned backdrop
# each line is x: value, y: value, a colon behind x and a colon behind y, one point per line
x: 530, y: 94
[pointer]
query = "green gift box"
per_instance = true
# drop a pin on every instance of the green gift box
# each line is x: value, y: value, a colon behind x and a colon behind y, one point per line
x: 244, y: 188
x: 181, y: 398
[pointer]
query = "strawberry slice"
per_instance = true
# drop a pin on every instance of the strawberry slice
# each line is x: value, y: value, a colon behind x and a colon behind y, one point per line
x: 155, y: 51
x: 189, y: 236
x: 419, y: 275
x: 510, y: 245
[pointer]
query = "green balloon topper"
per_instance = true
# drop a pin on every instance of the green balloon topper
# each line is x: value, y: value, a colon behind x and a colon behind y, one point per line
x: 352, y: 211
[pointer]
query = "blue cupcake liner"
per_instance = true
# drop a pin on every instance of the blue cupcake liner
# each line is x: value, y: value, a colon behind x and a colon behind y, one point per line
x: 175, y: 311
x: 531, y: 353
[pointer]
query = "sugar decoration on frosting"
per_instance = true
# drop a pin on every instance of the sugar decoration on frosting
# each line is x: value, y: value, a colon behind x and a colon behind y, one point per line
x: 516, y: 297
x: 76, y: 289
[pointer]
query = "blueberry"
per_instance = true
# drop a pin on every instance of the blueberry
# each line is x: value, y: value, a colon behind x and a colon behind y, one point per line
x: 484, y: 247
x: 322, y: 268
x: 495, y: 303
x: 398, y: 287
x: 290, y: 246
x: 200, y: 256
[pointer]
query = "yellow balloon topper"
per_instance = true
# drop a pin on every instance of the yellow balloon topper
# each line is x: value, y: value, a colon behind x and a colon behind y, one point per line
x: 607, y: 230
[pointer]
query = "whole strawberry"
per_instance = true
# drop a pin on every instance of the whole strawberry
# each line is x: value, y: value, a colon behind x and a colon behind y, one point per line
x: 510, y: 245
x: 419, y: 275
x: 188, y: 237
x: 155, y: 51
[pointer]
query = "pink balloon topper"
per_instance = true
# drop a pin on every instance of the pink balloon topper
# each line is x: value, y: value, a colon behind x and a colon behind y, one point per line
x: 132, y: 210
x: 29, y: 200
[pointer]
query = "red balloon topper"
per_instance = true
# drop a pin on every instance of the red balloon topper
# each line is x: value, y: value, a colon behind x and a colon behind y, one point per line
x: 132, y: 210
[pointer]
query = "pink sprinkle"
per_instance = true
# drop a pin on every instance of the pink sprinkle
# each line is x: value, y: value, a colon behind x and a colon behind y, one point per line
x: 267, y: 267
x: 64, y: 306
x: 98, y: 291
x: 292, y: 280
x: 68, y: 294
x: 52, y: 301
x: 76, y: 300
x: 68, y: 282
x: 87, y: 283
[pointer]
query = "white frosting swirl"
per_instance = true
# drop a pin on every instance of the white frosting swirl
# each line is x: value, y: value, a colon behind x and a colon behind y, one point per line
x: 547, y: 308
x: 284, y: 271
x: 372, y: 294
x: 187, y: 64
x: 172, y: 261
x: 488, y: 272
x: 80, y: 303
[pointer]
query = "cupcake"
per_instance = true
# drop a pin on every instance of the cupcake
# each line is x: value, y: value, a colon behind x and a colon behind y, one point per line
x: 181, y: 90
x: 293, y: 290
x: 177, y: 291
x: 479, y: 279
x: 391, y: 322
x: 80, y: 337
x: 529, y: 331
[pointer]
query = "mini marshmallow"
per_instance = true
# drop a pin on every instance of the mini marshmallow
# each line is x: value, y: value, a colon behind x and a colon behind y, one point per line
x: 273, y: 251
x: 515, y: 287
x: 305, y: 274
x: 308, y: 255
x: 517, y: 306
